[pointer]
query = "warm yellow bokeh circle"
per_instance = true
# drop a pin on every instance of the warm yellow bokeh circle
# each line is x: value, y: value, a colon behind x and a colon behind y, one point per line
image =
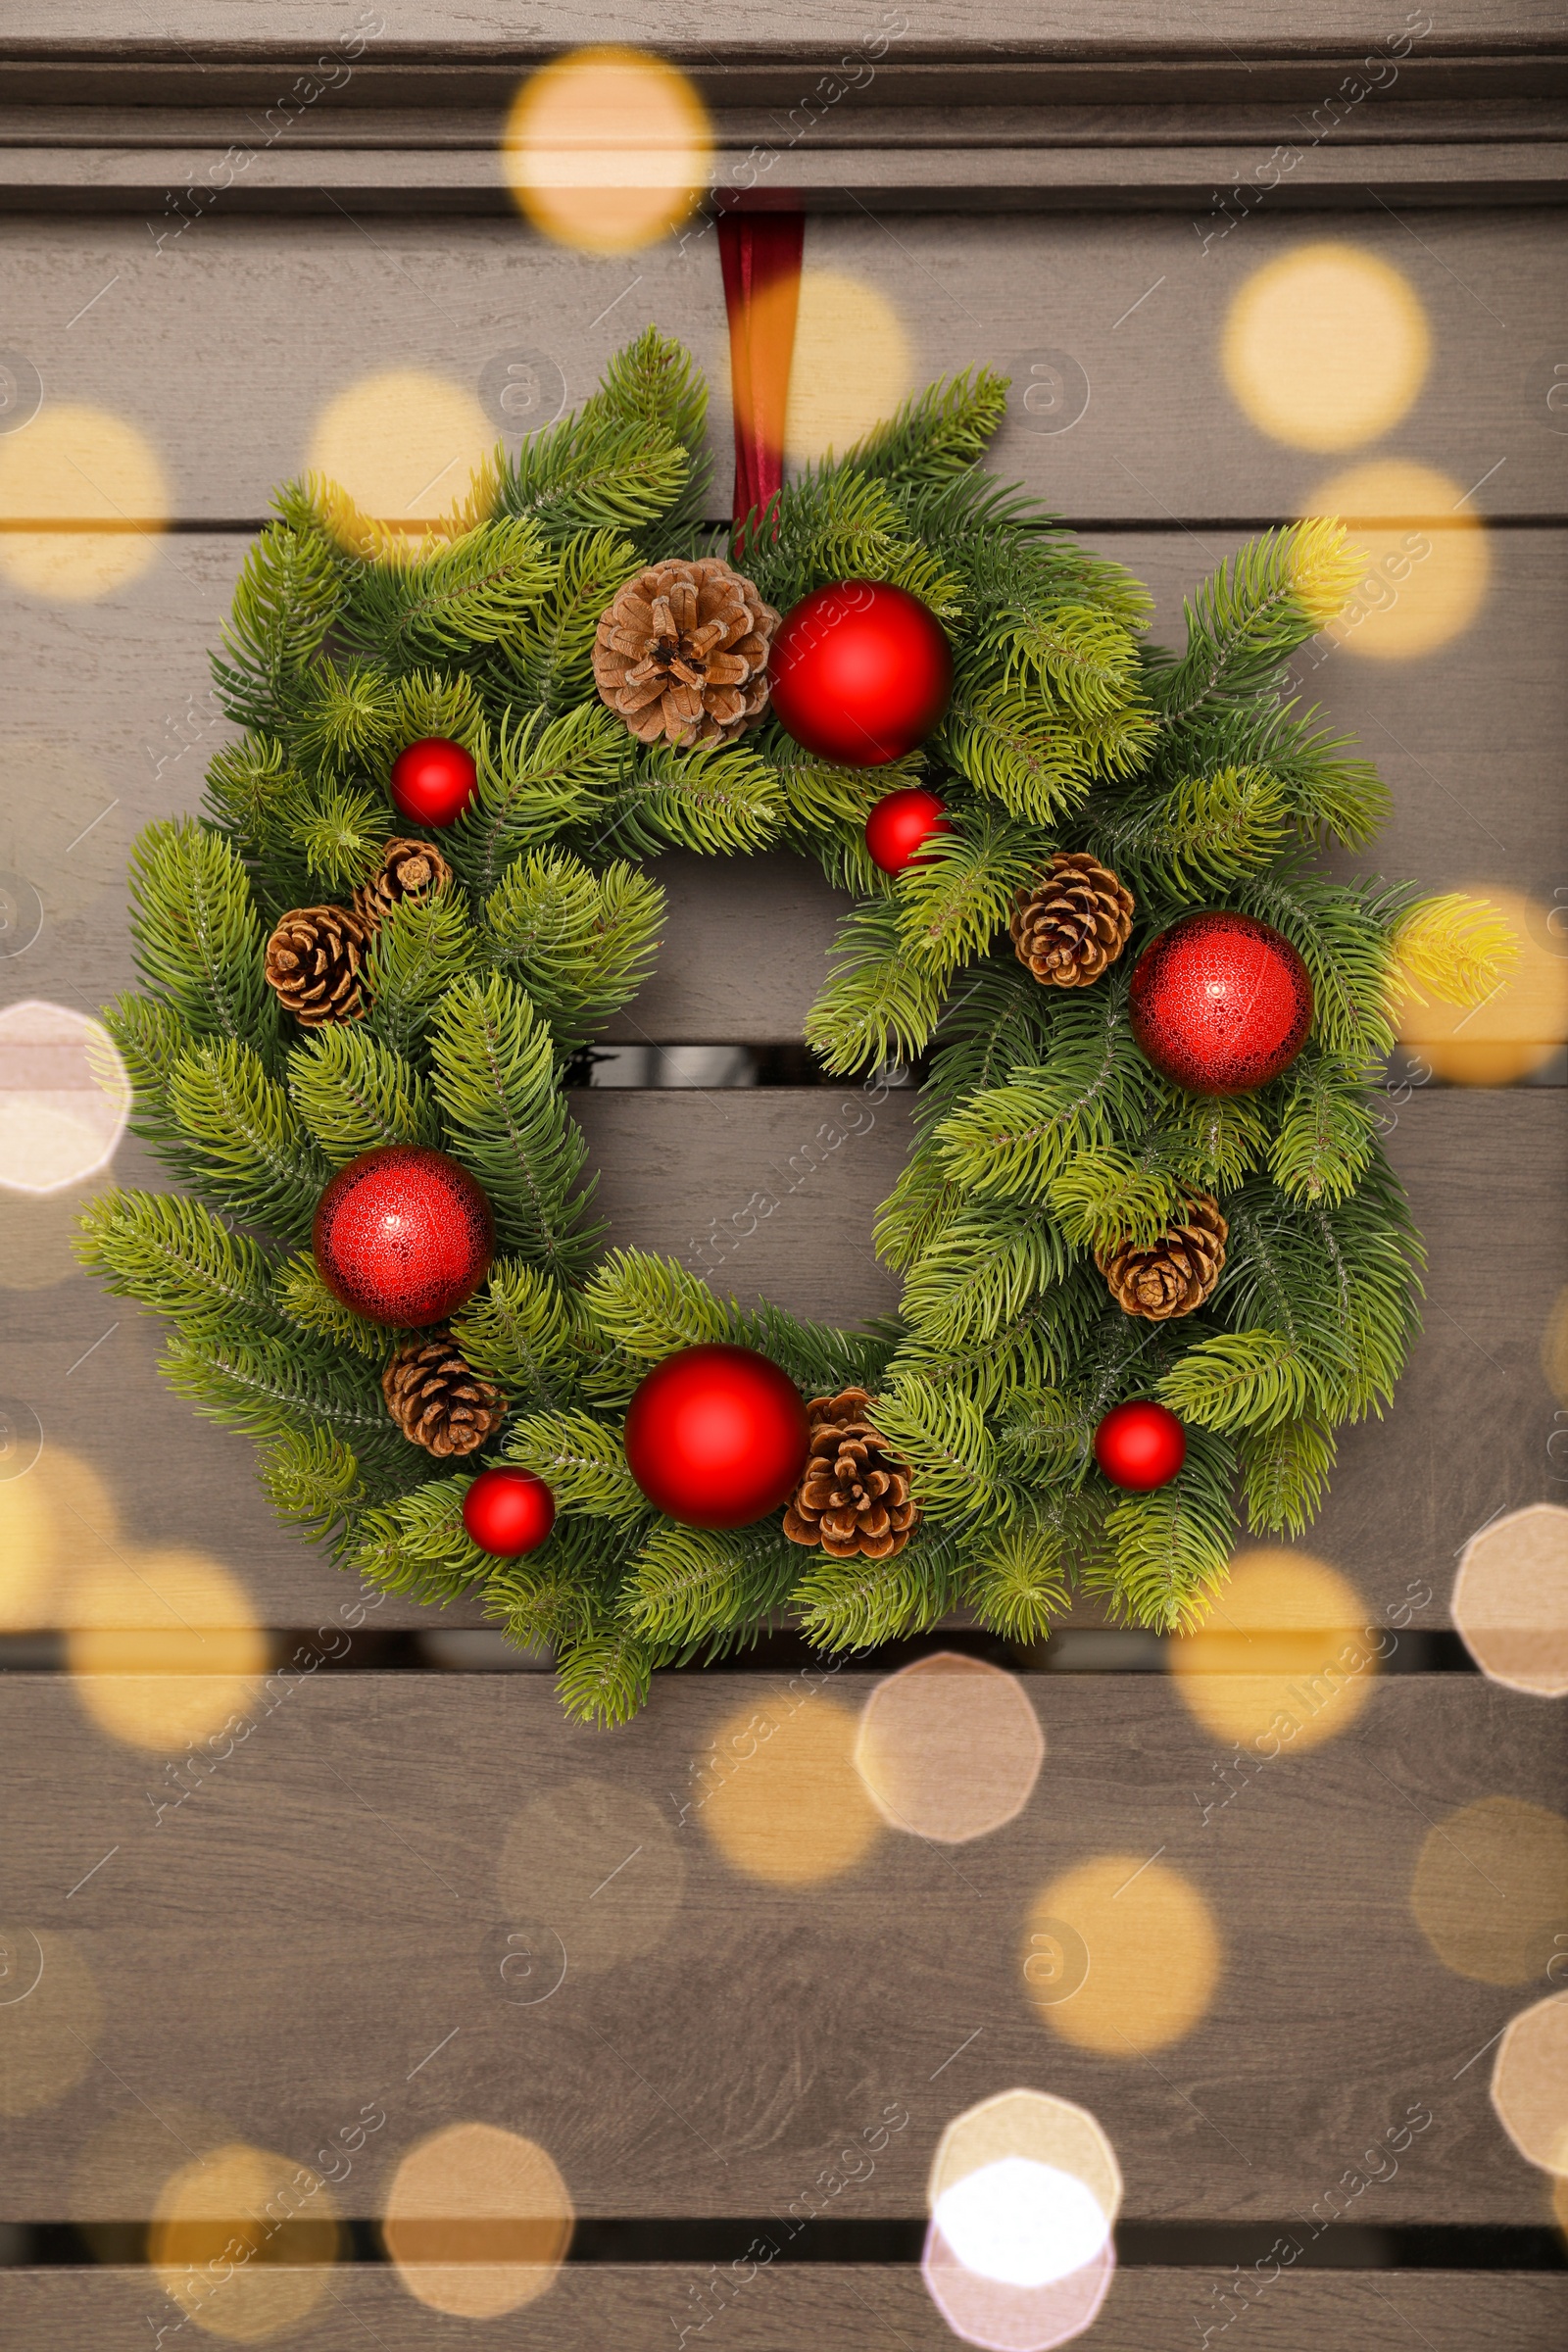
x: 607, y: 149
x: 51, y: 2016
x: 405, y: 444
x: 101, y: 485
x: 1428, y: 560
x: 1154, y: 1953
x: 1284, y: 1661
x: 477, y: 2221
x: 851, y: 365
x: 1324, y: 348
x: 1489, y: 1892
x: 243, y: 2240
x: 165, y: 1648
x: 786, y: 1803
x: 1519, y: 1026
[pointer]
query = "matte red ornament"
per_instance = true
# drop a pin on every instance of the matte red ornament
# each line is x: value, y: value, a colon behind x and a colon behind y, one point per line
x: 861, y: 672
x: 717, y: 1436
x: 1139, y: 1445
x: 433, y: 781
x: 403, y: 1234
x: 508, y: 1512
x: 900, y: 825
x: 1221, y: 1004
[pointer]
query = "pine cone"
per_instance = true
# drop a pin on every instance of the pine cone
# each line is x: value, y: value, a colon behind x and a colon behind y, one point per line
x: 436, y: 1400
x: 1173, y: 1275
x: 409, y: 870
x: 682, y: 652
x: 314, y: 962
x: 1075, y: 922
x: 853, y: 1499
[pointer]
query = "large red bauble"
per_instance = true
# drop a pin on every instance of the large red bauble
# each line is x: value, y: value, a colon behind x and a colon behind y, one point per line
x: 717, y: 1436
x: 900, y: 827
x: 508, y: 1512
x: 433, y: 782
x: 403, y: 1234
x: 1139, y: 1445
x: 861, y: 672
x: 1221, y: 1004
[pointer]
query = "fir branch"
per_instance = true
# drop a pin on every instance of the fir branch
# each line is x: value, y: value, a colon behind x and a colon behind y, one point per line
x: 943, y: 1435
x: 980, y: 1273
x: 478, y: 590
x: 312, y: 1481
x: 174, y: 1256
x: 547, y: 661
x: 198, y: 944
x: 1005, y: 741
x: 936, y: 433
x: 1081, y: 657
x: 581, y: 943
x: 714, y: 798
x: 538, y: 776
x: 582, y: 1463
x: 860, y: 1604
x: 356, y: 1093
x: 1016, y: 1582
x: 960, y: 893
x: 1168, y: 1551
x: 303, y: 1299
x: 604, y: 1678
x: 1323, y: 1141
x: 602, y: 470
x: 519, y: 1332
x: 1014, y: 1139
x: 1456, y: 948
x: 1245, y: 621
x: 419, y: 1546
x: 880, y: 1005
x: 288, y: 593
x: 1199, y: 834
x: 421, y: 952
x: 688, y: 1587
x: 1283, y: 1472
x: 239, y: 1131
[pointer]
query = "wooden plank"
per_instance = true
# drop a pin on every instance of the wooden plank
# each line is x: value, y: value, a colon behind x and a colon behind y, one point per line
x: 633, y: 2305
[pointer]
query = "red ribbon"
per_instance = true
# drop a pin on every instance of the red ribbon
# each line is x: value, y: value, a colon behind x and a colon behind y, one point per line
x: 760, y: 257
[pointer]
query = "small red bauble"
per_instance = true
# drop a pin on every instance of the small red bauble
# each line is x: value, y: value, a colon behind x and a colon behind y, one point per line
x: 433, y: 781
x: 1139, y: 1445
x: 1221, y: 1004
x: 900, y: 827
x: 717, y: 1436
x: 403, y: 1234
x: 508, y: 1512
x: 861, y: 672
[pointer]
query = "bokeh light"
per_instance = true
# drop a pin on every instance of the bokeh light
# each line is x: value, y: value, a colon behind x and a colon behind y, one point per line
x: 57, y: 1527
x: 1510, y: 1599
x: 405, y: 445
x: 1491, y: 1891
x: 1530, y: 2084
x: 1024, y: 2191
x: 243, y: 2240
x: 1522, y: 1023
x: 477, y: 2221
x: 1153, y: 1953
x: 607, y: 149
x: 949, y: 1748
x: 1326, y: 347
x: 64, y: 1096
x: 50, y: 2017
x: 165, y: 1648
x: 1427, y: 558
x: 600, y: 1866
x: 1284, y: 1661
x: 783, y: 1800
x: 852, y: 364
x: 123, y: 2165
x: 97, y: 488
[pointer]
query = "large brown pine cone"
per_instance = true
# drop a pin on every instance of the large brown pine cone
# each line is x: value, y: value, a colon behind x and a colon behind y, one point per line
x: 1173, y: 1275
x: 682, y: 652
x: 436, y: 1400
x: 315, y: 962
x: 1075, y: 922
x: 853, y: 1499
x: 409, y: 870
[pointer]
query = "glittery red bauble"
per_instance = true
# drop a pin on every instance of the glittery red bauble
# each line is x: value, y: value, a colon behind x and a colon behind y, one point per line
x: 900, y: 827
x: 717, y: 1436
x: 861, y: 672
x: 1139, y: 1445
x: 1221, y: 1004
x: 508, y: 1512
x: 403, y: 1234
x: 433, y: 781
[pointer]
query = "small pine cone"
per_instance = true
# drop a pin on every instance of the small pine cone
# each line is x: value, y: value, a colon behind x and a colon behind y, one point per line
x: 1173, y: 1275
x: 314, y: 962
x: 1075, y: 921
x: 409, y: 870
x: 436, y: 1400
x: 682, y: 652
x: 853, y: 1499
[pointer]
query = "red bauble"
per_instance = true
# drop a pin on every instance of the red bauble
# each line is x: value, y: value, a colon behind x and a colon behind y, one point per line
x: 861, y: 672
x: 1139, y: 1445
x: 900, y: 827
x: 433, y: 782
x: 1221, y: 1004
x: 717, y: 1436
x: 508, y: 1512
x: 403, y: 1234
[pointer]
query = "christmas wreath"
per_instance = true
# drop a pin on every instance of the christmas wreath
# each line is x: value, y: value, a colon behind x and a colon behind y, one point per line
x: 1151, y: 1252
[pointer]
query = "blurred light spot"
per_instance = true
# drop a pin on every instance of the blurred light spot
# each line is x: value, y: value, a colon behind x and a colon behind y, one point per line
x: 96, y: 486
x: 1284, y: 1661
x: 949, y: 1748
x: 64, y: 1096
x: 477, y: 2221
x: 1024, y: 2192
x: 781, y: 1797
x: 165, y: 1648
x: 1530, y: 2084
x: 244, y: 2241
x: 1520, y: 1025
x: 123, y: 2165
x: 1491, y: 1891
x: 607, y: 149
x: 50, y: 2018
x: 405, y: 445
x: 1154, y: 1953
x: 1427, y: 558
x: 600, y: 1866
x: 1326, y: 347
x: 852, y: 365
x: 62, y: 826
x: 1554, y: 1348
x: 57, y: 1524
x: 1510, y: 1599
